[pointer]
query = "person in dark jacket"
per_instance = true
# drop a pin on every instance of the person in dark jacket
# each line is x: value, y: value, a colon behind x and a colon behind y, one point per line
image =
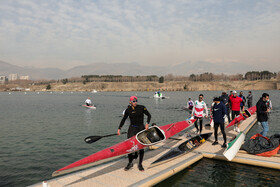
x: 135, y: 113
x: 262, y: 113
x: 242, y: 104
x: 250, y: 99
x: 225, y: 99
x: 219, y: 112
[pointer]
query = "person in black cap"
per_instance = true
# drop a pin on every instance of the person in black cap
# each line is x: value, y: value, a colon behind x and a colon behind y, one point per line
x: 219, y: 112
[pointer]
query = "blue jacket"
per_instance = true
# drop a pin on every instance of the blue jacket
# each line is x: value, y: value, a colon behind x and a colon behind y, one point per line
x: 244, y: 100
x: 219, y: 111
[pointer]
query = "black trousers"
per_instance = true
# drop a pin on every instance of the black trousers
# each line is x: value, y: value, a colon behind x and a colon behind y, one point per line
x: 234, y: 114
x: 249, y: 104
x: 133, y: 130
x: 200, y: 123
x: 222, y: 126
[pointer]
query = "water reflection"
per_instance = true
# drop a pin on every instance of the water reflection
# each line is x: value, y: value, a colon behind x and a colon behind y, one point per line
x: 88, y: 118
x: 158, y: 101
x: 222, y: 173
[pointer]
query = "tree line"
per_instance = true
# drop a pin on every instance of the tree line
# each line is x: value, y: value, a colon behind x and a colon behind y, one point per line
x: 251, y: 75
x: 119, y: 78
x: 259, y: 75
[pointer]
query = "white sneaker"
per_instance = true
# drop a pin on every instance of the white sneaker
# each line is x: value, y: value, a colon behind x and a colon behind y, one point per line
x: 237, y: 130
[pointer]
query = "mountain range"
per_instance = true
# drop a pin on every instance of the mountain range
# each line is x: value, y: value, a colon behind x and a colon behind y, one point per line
x: 123, y: 69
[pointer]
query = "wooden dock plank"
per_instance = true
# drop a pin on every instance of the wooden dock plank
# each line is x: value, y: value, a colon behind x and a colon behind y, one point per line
x: 113, y: 174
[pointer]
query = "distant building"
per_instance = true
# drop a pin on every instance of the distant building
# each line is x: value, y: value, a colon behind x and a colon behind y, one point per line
x: 25, y: 77
x: 13, y: 77
x: 3, y: 79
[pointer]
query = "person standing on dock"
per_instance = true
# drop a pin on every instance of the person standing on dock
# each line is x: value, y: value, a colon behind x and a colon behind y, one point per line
x: 197, y: 112
x: 135, y: 113
x: 242, y: 104
x: 250, y: 99
x: 235, y: 108
x: 225, y: 99
x: 219, y: 111
x: 262, y: 113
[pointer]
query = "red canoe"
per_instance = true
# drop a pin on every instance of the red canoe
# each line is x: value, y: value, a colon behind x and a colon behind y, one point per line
x: 242, y: 116
x: 141, y: 140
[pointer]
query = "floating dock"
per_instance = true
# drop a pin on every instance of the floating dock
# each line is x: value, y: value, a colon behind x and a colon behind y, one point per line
x: 113, y: 174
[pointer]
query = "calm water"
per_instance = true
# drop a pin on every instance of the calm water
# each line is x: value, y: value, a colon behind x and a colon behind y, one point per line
x: 43, y: 132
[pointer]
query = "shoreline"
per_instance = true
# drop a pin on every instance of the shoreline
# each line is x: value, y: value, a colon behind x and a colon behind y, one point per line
x: 148, y: 86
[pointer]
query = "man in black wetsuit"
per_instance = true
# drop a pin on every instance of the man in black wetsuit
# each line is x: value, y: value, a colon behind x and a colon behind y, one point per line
x: 136, y: 115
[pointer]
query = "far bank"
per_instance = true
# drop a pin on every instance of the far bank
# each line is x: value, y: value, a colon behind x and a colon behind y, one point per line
x: 150, y: 86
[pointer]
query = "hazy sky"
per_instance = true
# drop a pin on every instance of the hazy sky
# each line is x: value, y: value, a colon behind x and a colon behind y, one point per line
x: 66, y: 33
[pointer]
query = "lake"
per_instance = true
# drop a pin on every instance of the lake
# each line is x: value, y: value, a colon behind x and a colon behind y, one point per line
x: 44, y: 131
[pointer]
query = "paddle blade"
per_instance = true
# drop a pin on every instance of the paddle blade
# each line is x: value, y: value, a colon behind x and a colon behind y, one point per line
x: 92, y: 139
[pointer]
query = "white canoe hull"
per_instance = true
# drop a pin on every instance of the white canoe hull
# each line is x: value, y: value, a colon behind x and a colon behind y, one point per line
x: 156, y: 96
x: 234, y: 146
x: 90, y: 107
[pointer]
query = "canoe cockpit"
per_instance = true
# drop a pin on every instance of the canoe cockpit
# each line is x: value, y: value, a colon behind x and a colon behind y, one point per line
x: 151, y: 136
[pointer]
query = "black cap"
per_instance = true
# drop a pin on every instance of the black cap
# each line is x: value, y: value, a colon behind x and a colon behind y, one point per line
x: 216, y: 99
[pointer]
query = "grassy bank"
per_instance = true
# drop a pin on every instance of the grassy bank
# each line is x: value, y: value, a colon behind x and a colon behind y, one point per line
x: 152, y: 86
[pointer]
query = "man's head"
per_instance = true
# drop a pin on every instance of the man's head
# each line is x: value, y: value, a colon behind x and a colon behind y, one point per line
x: 189, y: 99
x: 200, y: 97
x: 265, y: 96
x: 234, y: 93
x: 216, y: 100
x: 133, y: 101
x: 241, y: 93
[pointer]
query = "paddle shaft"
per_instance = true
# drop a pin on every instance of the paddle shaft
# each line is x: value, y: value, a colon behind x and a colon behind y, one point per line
x: 91, y: 139
x: 113, y: 134
x: 197, y: 134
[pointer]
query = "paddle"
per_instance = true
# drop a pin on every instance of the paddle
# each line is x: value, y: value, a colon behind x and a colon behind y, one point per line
x: 92, y: 139
x: 175, y: 138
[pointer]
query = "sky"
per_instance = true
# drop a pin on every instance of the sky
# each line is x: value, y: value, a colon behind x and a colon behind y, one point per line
x: 67, y: 33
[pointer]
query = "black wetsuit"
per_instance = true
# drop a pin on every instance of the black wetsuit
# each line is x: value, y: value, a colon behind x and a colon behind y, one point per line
x: 136, y: 116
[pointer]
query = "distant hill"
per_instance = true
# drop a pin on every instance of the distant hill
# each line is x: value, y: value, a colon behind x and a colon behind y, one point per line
x: 115, y: 69
x: 123, y: 69
x: 34, y: 73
